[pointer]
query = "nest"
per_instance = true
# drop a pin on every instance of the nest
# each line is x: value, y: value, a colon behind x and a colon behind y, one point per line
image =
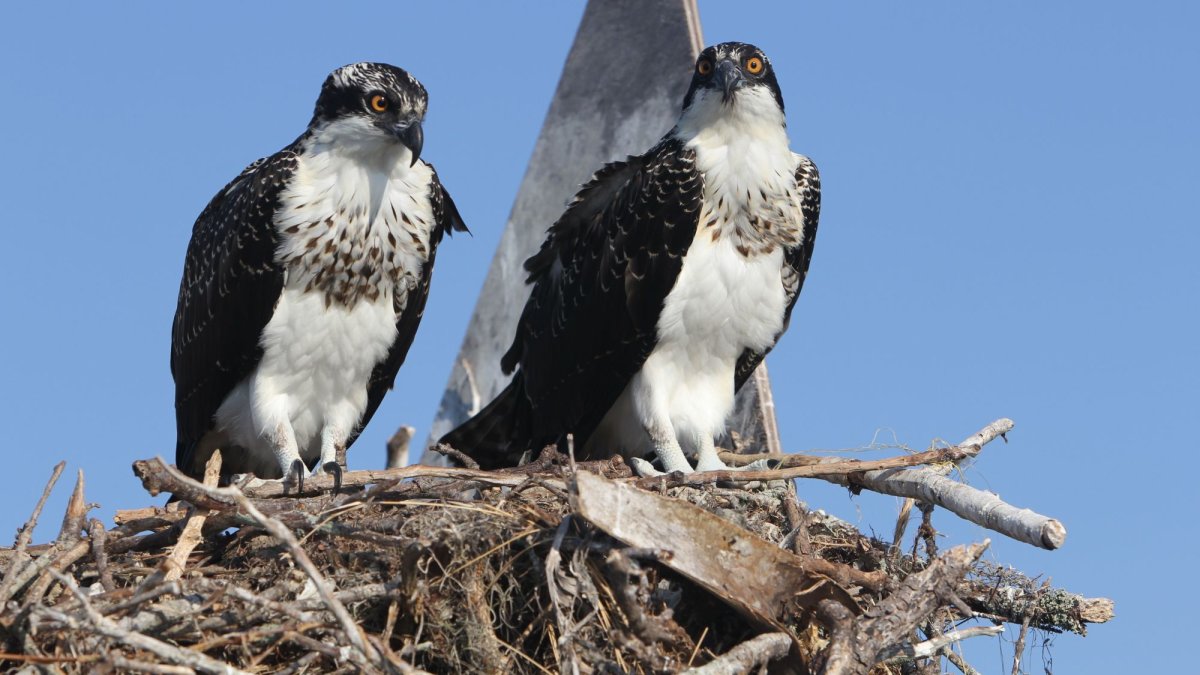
x: 530, y: 570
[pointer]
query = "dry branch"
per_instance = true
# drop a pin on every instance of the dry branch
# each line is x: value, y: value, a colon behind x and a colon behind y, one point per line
x: 1008, y: 595
x: 748, y: 656
x: 978, y: 506
x: 175, y: 563
x: 931, y: 647
x: 860, y: 643
x: 19, y: 560
x: 397, y: 447
x: 893, y: 476
x: 826, y: 470
x: 931, y: 485
x: 26, y: 532
x: 76, y: 514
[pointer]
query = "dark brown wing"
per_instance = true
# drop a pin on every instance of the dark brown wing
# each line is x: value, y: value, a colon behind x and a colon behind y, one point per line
x: 599, y: 283
x: 795, y: 260
x: 228, y: 293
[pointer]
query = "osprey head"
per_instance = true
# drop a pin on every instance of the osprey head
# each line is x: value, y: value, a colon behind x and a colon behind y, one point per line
x: 732, y: 75
x: 373, y: 106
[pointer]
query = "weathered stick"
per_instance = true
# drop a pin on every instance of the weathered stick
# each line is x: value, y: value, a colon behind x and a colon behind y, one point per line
x: 856, y: 645
x: 971, y: 447
x: 783, y: 460
x: 99, y: 539
x: 979, y: 507
x: 130, y: 665
x: 826, y: 470
x: 963, y: 667
x: 566, y: 636
x: 69, y: 535
x: 748, y: 656
x: 1020, y: 646
x: 931, y: 485
x: 75, y: 515
x: 26, y: 531
x: 1055, y: 610
x: 839, y: 656
x: 397, y: 447
x: 175, y: 563
x: 158, y: 476
x: 977, y: 441
x: 19, y: 560
x: 925, y: 484
x: 930, y: 647
x: 108, y: 628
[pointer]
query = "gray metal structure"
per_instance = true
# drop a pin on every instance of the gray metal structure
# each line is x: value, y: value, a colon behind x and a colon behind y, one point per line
x: 608, y: 105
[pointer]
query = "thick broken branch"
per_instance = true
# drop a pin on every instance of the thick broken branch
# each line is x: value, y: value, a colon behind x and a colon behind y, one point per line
x: 861, y: 643
x: 748, y: 656
x: 76, y: 514
x: 930, y: 647
x: 893, y: 476
x: 931, y: 485
x: 175, y: 563
x: 1007, y: 595
x: 979, y: 507
x: 397, y: 447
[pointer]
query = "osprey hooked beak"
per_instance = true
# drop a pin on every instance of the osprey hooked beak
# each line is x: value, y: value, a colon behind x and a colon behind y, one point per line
x: 409, y: 133
x: 728, y: 77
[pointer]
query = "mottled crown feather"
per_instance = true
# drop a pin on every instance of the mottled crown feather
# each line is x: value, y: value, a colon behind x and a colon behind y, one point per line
x: 344, y: 91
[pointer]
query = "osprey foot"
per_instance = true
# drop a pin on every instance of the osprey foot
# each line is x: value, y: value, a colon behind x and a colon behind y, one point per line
x: 296, y: 472
x: 334, y: 469
x: 643, y: 468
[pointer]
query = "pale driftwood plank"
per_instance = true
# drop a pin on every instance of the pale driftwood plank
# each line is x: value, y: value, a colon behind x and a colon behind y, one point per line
x: 756, y: 577
x: 607, y: 105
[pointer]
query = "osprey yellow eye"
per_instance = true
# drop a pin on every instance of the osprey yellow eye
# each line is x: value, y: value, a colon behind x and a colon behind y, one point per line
x: 704, y: 67
x: 754, y: 65
x: 379, y: 103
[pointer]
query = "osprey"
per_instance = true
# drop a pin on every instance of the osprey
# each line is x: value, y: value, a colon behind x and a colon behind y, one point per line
x: 663, y: 285
x: 304, y: 283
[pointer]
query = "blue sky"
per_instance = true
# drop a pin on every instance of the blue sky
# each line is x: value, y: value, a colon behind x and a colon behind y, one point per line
x: 1008, y: 229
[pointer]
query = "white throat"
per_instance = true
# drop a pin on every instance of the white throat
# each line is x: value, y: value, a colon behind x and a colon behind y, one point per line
x: 357, y: 140
x: 749, y: 170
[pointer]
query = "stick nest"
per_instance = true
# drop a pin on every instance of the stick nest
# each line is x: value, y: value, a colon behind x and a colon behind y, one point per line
x: 454, y: 575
